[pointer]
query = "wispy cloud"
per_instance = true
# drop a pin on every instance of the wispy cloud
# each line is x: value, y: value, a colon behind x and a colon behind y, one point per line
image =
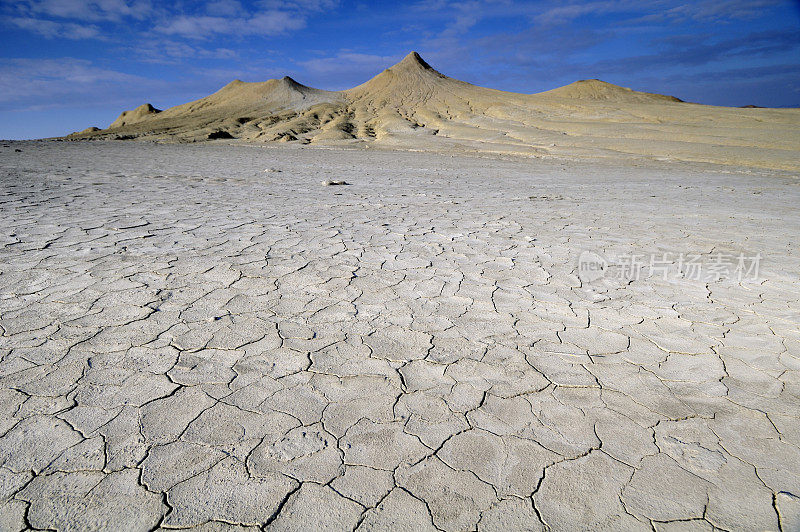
x: 41, y: 83
x: 715, y: 10
x: 690, y: 51
x: 347, y: 68
x: 51, y: 29
x: 197, y: 20
x: 83, y: 10
x: 171, y: 51
x: 565, y: 13
x: 669, y: 11
x: 224, y: 8
x: 204, y: 26
x: 299, y: 5
x: 349, y: 60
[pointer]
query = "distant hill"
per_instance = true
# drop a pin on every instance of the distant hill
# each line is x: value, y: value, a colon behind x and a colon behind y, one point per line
x: 594, y: 89
x: 413, y: 106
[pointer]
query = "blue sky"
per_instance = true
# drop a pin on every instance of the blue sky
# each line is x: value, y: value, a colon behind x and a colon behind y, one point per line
x: 69, y: 64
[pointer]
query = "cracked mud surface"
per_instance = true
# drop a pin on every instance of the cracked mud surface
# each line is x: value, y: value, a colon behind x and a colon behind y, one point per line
x: 189, y: 341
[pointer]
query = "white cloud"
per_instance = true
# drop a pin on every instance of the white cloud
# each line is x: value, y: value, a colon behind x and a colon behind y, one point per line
x: 344, y: 70
x: 655, y: 10
x: 51, y: 29
x: 42, y: 83
x: 204, y: 26
x: 712, y: 10
x: 169, y: 51
x: 563, y: 13
x: 224, y: 8
x: 349, y: 61
x: 80, y: 19
x: 94, y: 10
x: 302, y: 5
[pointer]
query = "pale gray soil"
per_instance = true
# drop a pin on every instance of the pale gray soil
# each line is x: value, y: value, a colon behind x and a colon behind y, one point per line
x: 189, y: 340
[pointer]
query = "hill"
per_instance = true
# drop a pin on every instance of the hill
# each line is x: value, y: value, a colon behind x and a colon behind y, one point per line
x: 595, y: 89
x: 411, y: 105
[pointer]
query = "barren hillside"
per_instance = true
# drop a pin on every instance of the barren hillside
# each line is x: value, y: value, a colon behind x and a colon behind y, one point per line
x: 412, y: 106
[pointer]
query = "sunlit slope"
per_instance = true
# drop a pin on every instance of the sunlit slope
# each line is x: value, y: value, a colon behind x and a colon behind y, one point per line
x: 412, y: 106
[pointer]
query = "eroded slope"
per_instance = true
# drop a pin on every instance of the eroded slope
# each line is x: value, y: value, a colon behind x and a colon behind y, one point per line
x: 412, y: 106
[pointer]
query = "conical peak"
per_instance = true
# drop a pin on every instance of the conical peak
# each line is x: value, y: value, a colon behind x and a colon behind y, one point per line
x: 413, y: 65
x: 290, y: 82
x: 135, y: 115
x: 147, y: 108
x: 414, y: 60
x: 409, y: 72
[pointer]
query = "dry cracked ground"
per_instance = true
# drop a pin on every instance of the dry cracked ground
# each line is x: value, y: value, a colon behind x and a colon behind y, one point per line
x: 190, y: 341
